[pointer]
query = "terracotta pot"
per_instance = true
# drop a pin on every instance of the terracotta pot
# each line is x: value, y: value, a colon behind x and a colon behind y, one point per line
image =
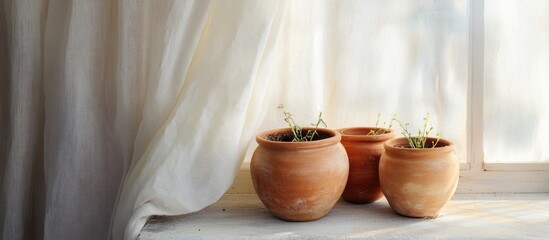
x: 299, y: 181
x: 364, y: 152
x: 418, y: 182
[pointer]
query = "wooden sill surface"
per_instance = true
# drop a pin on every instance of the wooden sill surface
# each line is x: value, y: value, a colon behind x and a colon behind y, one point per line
x: 466, y: 216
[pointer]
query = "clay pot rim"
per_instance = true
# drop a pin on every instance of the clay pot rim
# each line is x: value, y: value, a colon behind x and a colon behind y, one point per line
x: 334, y: 138
x: 364, y: 137
x: 392, y: 145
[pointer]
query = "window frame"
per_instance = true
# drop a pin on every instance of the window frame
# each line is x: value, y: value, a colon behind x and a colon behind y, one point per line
x: 477, y: 176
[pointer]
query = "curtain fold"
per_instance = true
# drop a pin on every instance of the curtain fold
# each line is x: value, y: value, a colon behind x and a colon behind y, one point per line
x: 202, y: 140
x: 21, y: 120
x: 115, y: 111
x: 81, y: 164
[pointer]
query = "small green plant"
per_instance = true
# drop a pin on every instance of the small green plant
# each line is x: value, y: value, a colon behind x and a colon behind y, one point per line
x: 298, y: 131
x: 420, y: 140
x: 382, y: 130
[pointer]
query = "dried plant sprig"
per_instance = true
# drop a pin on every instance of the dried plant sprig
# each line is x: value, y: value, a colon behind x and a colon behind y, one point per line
x: 420, y: 140
x: 382, y: 130
x: 297, y: 131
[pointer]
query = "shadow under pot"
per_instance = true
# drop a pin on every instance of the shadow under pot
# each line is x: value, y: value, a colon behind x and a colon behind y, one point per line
x: 418, y: 182
x: 299, y: 181
x: 364, y: 151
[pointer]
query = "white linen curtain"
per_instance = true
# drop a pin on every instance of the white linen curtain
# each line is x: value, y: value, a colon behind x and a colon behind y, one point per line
x: 155, y: 103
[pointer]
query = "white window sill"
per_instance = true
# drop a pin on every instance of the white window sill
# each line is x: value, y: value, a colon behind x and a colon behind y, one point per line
x: 466, y: 216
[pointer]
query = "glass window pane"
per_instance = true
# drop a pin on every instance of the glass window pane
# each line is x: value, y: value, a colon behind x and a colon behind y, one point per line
x: 516, y: 100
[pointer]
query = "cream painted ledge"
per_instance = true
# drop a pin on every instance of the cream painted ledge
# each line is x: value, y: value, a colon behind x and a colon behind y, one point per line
x: 466, y: 216
x: 498, y: 180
